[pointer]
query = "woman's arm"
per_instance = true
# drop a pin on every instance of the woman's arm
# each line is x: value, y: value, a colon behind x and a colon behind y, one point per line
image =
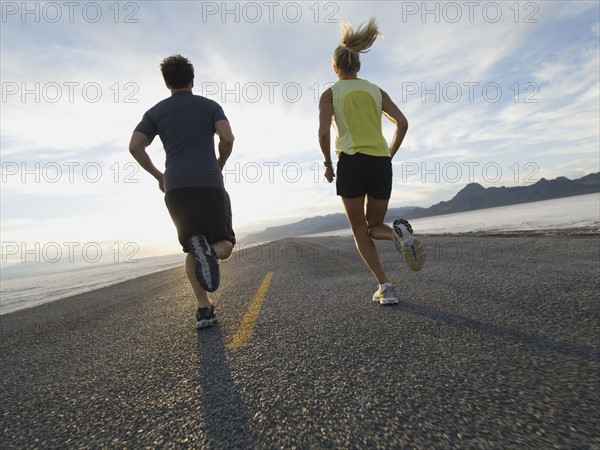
x: 392, y: 112
x: 325, y: 115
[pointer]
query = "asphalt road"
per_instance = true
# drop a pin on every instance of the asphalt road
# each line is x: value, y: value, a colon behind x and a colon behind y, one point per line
x: 495, y: 344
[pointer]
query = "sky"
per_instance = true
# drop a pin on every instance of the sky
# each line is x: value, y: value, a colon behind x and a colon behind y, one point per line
x: 499, y: 93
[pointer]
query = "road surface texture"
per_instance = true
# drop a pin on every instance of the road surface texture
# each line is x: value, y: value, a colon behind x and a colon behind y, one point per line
x: 494, y: 345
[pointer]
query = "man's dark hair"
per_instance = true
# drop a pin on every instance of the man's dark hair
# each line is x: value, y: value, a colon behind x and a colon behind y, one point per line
x: 177, y: 71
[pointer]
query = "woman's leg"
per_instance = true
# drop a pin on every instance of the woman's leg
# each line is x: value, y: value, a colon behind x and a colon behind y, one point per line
x: 376, y: 210
x: 355, y: 211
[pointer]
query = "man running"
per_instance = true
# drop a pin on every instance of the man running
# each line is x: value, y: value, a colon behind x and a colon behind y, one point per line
x: 193, y: 182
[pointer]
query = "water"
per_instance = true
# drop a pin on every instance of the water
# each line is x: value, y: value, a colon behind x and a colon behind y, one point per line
x: 581, y: 211
x: 571, y: 212
x: 32, y: 290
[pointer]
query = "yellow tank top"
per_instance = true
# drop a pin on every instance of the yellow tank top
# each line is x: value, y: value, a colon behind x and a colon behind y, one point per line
x: 357, y: 118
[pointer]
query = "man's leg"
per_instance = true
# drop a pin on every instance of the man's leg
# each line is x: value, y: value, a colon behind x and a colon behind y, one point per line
x: 190, y: 270
x: 205, y: 315
x: 360, y: 229
x: 223, y: 249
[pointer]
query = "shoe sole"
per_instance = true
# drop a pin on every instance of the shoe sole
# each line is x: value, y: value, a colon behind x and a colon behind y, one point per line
x: 398, y: 233
x: 207, y: 266
x: 204, y: 323
x: 414, y: 254
x: 387, y: 301
x: 411, y: 248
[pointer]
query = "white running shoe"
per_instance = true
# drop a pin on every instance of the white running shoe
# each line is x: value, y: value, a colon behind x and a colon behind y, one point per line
x: 386, y: 294
x: 411, y: 248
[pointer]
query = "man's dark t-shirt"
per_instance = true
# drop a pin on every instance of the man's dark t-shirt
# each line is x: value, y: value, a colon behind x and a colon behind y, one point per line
x: 186, y: 125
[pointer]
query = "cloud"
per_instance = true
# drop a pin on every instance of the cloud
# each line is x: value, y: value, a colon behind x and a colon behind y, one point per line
x: 74, y: 91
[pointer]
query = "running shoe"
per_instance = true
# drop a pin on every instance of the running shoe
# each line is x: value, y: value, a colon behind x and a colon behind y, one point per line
x: 207, y: 265
x: 386, y: 294
x: 410, y: 247
x: 205, y: 317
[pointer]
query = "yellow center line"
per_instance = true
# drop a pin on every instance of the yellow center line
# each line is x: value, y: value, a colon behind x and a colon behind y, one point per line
x: 246, y: 326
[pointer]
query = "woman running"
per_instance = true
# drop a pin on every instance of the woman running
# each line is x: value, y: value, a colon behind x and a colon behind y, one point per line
x: 364, y: 168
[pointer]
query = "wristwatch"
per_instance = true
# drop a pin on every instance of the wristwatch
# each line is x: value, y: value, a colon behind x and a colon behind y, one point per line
x: 328, y: 164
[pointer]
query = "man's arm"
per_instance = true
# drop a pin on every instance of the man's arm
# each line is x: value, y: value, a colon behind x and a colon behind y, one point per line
x: 393, y: 113
x: 325, y: 114
x: 226, y: 139
x: 137, y: 147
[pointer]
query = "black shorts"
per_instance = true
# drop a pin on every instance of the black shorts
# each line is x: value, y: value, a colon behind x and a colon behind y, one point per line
x: 360, y: 174
x: 201, y: 210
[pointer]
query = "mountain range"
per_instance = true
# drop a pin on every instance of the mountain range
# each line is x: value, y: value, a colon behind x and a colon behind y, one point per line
x: 473, y: 196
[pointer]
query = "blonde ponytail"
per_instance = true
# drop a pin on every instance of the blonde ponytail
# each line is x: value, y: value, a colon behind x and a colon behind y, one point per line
x: 346, y: 55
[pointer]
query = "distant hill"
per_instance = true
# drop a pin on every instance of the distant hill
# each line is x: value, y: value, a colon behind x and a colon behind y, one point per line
x: 473, y: 196
x: 311, y: 225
